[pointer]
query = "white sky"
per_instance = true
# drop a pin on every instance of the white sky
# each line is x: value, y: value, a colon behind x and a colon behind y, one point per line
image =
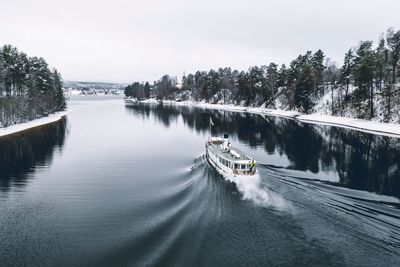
x: 125, y: 41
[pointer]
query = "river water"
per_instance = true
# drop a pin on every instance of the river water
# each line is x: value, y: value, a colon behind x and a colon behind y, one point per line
x: 128, y: 186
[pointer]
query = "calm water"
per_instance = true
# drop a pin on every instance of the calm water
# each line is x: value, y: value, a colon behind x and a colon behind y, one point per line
x: 128, y: 186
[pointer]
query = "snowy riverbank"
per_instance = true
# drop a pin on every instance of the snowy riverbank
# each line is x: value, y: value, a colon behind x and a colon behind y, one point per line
x: 34, y: 123
x: 378, y: 128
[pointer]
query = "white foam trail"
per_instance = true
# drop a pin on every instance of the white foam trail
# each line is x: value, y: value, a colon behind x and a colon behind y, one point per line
x: 251, y: 189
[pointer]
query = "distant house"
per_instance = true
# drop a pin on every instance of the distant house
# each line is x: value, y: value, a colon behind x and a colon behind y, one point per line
x: 178, y: 86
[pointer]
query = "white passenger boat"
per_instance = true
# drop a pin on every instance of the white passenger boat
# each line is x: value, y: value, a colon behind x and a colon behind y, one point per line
x: 227, y: 159
x: 130, y: 101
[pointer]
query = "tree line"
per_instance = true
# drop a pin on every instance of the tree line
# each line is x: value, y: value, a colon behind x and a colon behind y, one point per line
x: 364, y: 86
x: 29, y: 89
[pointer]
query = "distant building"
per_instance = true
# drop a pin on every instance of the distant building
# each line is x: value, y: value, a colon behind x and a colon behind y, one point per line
x: 179, y: 86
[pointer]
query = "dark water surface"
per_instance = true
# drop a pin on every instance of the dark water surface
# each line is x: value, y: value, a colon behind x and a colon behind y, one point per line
x: 128, y: 186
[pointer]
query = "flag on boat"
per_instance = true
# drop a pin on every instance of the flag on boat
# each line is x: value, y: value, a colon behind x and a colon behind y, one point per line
x: 211, y: 122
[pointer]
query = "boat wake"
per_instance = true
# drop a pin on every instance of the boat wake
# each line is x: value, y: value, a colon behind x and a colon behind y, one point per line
x: 252, y: 189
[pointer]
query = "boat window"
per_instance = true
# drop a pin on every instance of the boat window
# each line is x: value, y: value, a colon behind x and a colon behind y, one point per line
x: 236, y: 166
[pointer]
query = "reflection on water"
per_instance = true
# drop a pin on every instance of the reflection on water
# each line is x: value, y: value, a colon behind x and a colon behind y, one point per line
x: 131, y: 188
x: 21, y: 153
x: 360, y: 160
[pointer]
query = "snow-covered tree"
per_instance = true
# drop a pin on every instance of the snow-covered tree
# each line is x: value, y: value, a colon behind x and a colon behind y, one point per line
x: 31, y: 89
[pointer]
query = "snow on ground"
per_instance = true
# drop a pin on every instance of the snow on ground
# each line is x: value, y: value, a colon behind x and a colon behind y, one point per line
x: 379, y: 128
x: 34, y: 123
x: 373, y: 127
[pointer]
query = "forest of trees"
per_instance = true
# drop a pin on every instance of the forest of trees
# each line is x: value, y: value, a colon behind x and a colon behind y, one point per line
x: 28, y: 88
x: 365, y: 86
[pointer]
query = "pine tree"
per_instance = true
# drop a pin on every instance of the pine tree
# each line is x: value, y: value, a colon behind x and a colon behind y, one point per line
x: 330, y: 79
x: 128, y: 91
x: 282, y: 76
x: 57, y: 87
x: 293, y: 75
x: 256, y: 82
x: 304, y: 85
x: 147, y: 90
x: 213, y: 82
x: 365, y: 66
x: 347, y: 70
x: 2, y: 75
x: 381, y: 62
x: 9, y: 55
x: 201, y: 85
x: 244, y: 85
x: 317, y: 62
x: 271, y: 82
x: 393, y: 41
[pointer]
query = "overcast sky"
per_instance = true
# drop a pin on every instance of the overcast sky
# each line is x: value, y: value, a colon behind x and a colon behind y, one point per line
x: 128, y: 40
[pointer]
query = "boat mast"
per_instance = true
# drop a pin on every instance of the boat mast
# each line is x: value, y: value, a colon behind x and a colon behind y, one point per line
x: 211, y: 124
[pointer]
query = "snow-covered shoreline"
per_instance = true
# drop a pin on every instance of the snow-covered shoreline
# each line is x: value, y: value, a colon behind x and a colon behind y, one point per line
x: 372, y: 127
x: 16, y: 128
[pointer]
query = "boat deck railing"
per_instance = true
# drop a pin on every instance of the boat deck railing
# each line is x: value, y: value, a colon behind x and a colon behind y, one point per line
x: 227, y: 154
x: 244, y: 172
